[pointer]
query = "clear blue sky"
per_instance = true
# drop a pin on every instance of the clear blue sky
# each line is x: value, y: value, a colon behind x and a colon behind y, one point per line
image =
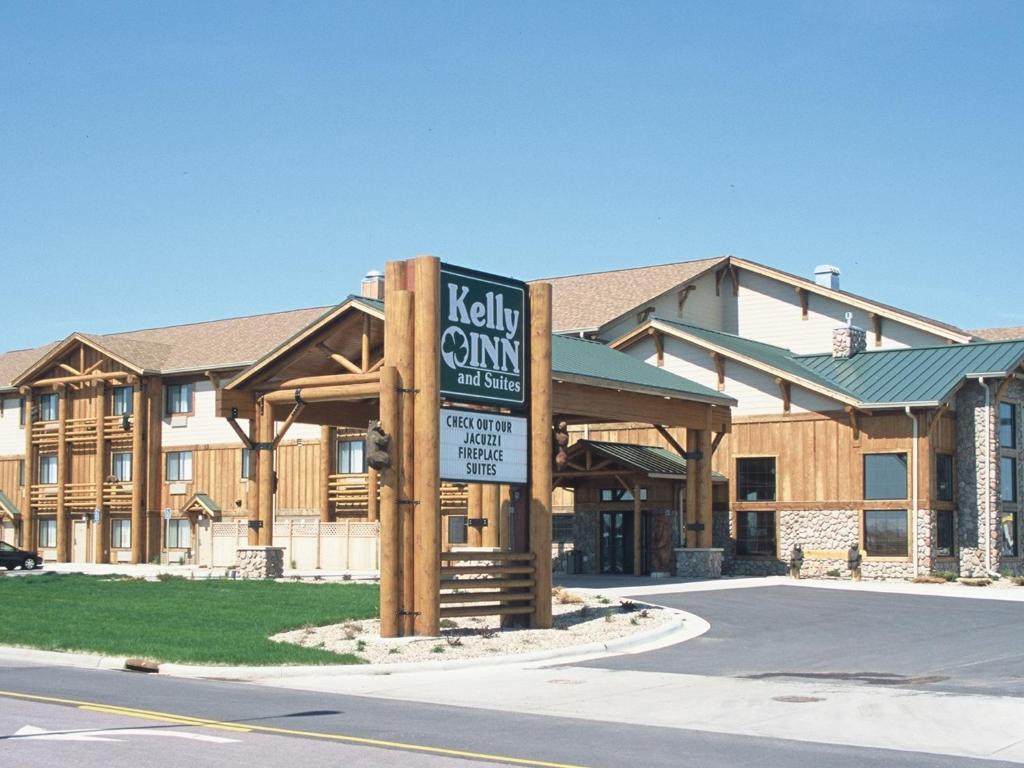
x: 180, y: 161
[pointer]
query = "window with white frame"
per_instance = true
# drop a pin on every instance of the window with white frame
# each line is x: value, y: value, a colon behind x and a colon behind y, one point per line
x: 246, y: 464
x: 122, y: 399
x: 121, y: 466
x: 47, y: 532
x: 121, y: 533
x: 351, y: 457
x: 47, y: 470
x: 49, y: 406
x: 178, y: 534
x: 179, y: 399
x: 179, y: 466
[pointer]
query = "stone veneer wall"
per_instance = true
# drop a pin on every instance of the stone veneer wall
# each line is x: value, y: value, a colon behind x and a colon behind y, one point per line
x: 586, y: 531
x: 260, y: 562
x: 976, y: 435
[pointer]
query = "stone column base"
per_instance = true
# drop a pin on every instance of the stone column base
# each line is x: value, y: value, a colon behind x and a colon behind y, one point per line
x: 260, y: 562
x: 699, y: 563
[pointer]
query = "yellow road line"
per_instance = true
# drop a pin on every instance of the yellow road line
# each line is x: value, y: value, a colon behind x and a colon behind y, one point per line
x: 195, y: 721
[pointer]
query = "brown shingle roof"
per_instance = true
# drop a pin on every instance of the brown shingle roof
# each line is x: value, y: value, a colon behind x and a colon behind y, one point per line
x: 1000, y: 334
x: 586, y: 302
x: 231, y: 343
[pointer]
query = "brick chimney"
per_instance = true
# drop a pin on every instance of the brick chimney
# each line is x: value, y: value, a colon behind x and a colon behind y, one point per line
x: 372, y: 286
x: 848, y: 340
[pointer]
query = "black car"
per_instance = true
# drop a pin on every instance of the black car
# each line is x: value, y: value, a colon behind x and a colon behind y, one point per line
x: 11, y: 557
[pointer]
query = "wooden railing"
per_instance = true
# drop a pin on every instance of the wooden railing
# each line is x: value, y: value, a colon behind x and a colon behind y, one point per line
x: 350, y: 493
x: 481, y: 583
x: 82, y: 430
x: 116, y: 496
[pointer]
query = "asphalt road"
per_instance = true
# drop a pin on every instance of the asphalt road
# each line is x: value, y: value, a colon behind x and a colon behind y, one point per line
x: 311, y: 719
x: 869, y: 638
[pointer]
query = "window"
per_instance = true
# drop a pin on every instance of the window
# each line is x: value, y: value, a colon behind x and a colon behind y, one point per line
x: 621, y: 494
x: 49, y: 407
x: 121, y: 404
x: 561, y: 529
x: 246, y: 464
x: 755, y: 534
x: 178, y: 536
x: 21, y: 472
x: 48, y: 470
x: 1007, y: 425
x: 179, y: 398
x: 121, y: 534
x: 885, y: 476
x: 351, y: 457
x: 456, y: 529
x: 755, y: 479
x: 121, y: 467
x: 47, y: 533
x: 885, y: 532
x: 1008, y: 529
x: 179, y: 466
x: 1008, y: 478
x: 944, y: 536
x: 943, y: 477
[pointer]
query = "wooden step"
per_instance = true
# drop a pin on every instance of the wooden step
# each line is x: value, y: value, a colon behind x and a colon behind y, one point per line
x: 484, y: 610
x: 496, y: 556
x: 487, y: 583
x: 487, y: 570
x: 487, y: 597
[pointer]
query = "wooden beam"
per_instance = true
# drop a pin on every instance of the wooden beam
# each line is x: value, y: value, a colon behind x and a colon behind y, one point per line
x: 232, y: 400
x: 702, y: 474
x: 296, y: 410
x: 719, y: 362
x: 474, y: 511
x: 99, y: 475
x: 340, y: 359
x: 79, y: 378
x: 670, y: 440
x: 803, y: 294
x: 784, y: 393
x: 876, y: 325
x: 265, y: 489
x: 637, y: 530
x: 318, y: 381
x: 734, y: 275
x: 326, y: 459
x: 540, y: 450
x: 683, y: 295
x: 372, y: 498
x: 427, y: 435
x: 691, y: 516
x: 600, y: 404
x: 659, y: 345
x: 364, y: 348
x: 240, y: 432
x: 334, y: 393
x: 854, y: 416
x: 719, y: 274
x: 139, y: 532
x: 69, y: 369
x: 716, y: 442
x: 63, y: 524
x: 491, y: 499
x: 402, y: 309
x: 29, y: 537
x: 390, y: 525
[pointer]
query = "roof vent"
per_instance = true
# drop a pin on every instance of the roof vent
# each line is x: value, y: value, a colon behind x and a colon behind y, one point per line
x: 373, y: 285
x: 828, y: 276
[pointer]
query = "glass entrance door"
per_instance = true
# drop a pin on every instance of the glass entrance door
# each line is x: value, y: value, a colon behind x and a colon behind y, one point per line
x: 617, y: 542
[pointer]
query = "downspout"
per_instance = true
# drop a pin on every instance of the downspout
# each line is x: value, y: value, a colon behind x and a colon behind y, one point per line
x: 988, y: 474
x: 914, y: 486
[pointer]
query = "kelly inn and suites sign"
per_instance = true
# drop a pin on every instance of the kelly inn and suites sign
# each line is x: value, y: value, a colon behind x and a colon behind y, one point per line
x: 483, y: 338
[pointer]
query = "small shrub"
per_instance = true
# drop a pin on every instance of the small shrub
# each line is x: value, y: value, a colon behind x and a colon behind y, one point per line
x: 449, y: 624
x: 170, y: 577
x: 834, y: 573
x: 394, y: 650
x: 437, y: 649
x: 351, y: 630
x: 568, y: 598
x: 604, y: 600
x: 360, y: 646
x: 1017, y: 581
x: 947, y: 575
x: 628, y: 606
x: 975, y: 582
x: 634, y: 621
x: 609, y: 615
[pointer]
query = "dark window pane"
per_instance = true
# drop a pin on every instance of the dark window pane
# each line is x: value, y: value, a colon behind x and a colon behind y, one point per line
x: 944, y: 532
x: 885, y: 533
x: 755, y: 533
x: 944, y: 477
x: 755, y: 479
x: 885, y: 476
x: 1008, y: 425
x: 1008, y: 478
x: 561, y: 528
x: 456, y: 529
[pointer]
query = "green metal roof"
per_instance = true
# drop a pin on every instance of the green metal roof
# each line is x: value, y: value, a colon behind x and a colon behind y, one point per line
x: 883, y: 377
x: 9, y: 505
x: 650, y: 459
x: 768, y: 354
x: 915, y: 375
x: 572, y: 356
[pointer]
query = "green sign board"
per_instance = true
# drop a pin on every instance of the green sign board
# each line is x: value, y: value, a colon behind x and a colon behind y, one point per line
x: 483, y: 338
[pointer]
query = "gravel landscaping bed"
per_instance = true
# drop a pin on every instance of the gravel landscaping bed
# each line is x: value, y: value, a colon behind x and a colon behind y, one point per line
x: 580, y: 618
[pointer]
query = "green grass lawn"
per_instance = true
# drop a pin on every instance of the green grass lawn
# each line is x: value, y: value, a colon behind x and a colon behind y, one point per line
x: 215, y: 622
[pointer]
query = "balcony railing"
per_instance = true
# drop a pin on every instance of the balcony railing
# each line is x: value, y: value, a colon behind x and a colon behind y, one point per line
x: 350, y: 495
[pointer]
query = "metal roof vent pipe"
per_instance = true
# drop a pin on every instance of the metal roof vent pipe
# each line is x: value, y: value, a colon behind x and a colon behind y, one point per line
x: 372, y: 286
x: 827, y: 276
x: 848, y: 340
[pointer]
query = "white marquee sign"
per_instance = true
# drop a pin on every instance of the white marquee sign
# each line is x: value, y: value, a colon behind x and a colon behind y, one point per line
x: 479, y: 447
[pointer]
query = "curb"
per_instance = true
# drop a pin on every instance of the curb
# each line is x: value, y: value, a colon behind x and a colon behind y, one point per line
x: 681, y: 627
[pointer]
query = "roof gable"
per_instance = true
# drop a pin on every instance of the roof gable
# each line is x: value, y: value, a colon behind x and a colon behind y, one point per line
x: 54, y: 354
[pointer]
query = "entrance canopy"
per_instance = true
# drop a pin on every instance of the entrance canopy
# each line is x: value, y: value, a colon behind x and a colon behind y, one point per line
x: 588, y: 459
x: 8, y: 508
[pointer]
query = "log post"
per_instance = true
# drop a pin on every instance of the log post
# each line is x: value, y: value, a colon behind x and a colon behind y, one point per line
x: 265, y: 435
x: 540, y: 450
x: 704, y: 486
x: 153, y: 473
x: 138, y: 529
x: 427, y: 436
x: 474, y: 511
x: 373, y: 487
x: 63, y: 523
x: 405, y: 357
x: 692, y: 482
x: 390, y: 546
x: 326, y: 449
x: 256, y: 459
x: 498, y: 517
x: 100, y: 547
x: 637, y: 530
x: 490, y: 502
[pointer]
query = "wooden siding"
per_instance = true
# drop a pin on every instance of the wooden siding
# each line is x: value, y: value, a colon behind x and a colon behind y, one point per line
x: 298, y: 478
